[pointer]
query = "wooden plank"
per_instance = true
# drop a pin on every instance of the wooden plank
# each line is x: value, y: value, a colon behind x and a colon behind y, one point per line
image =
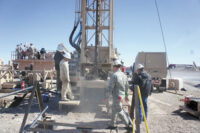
x: 195, y: 113
x: 131, y: 113
x: 51, y: 81
x: 65, y: 130
x: 9, y: 85
x: 75, y: 126
x: 57, y: 124
x: 137, y: 111
x: 6, y: 90
x: 40, y: 130
x: 28, y: 108
x: 68, y: 103
x: 40, y: 101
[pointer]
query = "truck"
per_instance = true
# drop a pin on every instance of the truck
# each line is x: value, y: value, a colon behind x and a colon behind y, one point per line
x: 155, y: 63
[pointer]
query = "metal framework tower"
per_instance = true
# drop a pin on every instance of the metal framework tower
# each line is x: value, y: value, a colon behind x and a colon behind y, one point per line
x: 97, y: 33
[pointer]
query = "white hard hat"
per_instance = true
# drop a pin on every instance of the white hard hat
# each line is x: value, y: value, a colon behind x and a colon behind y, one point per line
x: 60, y: 48
x: 67, y: 55
x: 117, y: 63
x: 140, y: 66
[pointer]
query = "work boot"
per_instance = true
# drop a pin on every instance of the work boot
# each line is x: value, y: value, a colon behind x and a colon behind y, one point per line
x: 65, y: 99
x: 71, y: 97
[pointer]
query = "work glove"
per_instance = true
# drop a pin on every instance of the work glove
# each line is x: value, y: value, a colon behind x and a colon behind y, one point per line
x: 120, y: 99
x: 126, y: 99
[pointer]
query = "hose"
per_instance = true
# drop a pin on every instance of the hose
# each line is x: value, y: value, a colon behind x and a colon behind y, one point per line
x: 78, y: 37
x: 75, y: 43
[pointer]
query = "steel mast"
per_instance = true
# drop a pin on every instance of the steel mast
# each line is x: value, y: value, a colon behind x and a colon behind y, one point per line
x: 97, y: 33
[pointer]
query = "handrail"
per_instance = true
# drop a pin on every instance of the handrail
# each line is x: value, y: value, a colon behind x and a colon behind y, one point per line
x: 15, y: 92
x: 28, y: 70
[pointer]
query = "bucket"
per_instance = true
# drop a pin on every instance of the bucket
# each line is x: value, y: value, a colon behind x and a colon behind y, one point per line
x: 45, y: 97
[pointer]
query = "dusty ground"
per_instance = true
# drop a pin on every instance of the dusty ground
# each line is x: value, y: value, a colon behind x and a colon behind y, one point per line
x: 164, y: 114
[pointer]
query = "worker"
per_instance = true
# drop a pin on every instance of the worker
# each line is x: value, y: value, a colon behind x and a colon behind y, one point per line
x: 24, y: 51
x: 143, y: 79
x: 57, y: 58
x: 43, y: 53
x: 19, y: 51
x: 33, y: 51
x: 66, y: 93
x: 118, y: 87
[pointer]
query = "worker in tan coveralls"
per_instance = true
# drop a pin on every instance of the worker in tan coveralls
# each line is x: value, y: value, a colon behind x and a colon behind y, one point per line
x: 66, y: 93
x: 118, y: 87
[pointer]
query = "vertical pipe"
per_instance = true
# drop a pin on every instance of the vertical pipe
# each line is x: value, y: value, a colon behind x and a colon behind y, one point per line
x: 111, y: 51
x: 131, y: 113
x: 83, y: 17
x: 97, y: 39
x: 137, y: 118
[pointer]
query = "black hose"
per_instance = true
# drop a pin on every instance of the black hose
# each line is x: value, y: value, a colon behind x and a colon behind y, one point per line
x: 73, y: 44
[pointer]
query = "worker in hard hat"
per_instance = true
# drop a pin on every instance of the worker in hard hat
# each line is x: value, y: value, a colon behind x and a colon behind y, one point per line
x: 143, y: 79
x: 66, y: 93
x: 57, y: 58
x: 118, y: 88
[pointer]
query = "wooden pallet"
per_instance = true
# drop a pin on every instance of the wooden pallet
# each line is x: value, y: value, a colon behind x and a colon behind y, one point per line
x: 8, y: 85
x: 73, y: 129
x: 68, y: 103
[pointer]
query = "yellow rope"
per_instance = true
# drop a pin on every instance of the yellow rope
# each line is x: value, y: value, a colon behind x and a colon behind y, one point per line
x: 133, y: 125
x: 139, y: 94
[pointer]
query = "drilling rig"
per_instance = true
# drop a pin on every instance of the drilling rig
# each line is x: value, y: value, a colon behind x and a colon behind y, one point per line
x: 92, y: 38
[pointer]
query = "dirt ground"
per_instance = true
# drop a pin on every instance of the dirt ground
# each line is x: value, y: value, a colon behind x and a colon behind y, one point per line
x: 164, y: 114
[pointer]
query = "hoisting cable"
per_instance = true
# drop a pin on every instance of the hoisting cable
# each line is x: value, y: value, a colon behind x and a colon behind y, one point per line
x: 163, y: 36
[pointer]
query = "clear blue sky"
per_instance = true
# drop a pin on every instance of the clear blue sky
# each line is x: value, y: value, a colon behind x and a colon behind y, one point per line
x: 46, y: 23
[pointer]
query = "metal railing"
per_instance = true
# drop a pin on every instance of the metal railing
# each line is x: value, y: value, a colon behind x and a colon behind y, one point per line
x: 15, y: 92
x: 14, y: 54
